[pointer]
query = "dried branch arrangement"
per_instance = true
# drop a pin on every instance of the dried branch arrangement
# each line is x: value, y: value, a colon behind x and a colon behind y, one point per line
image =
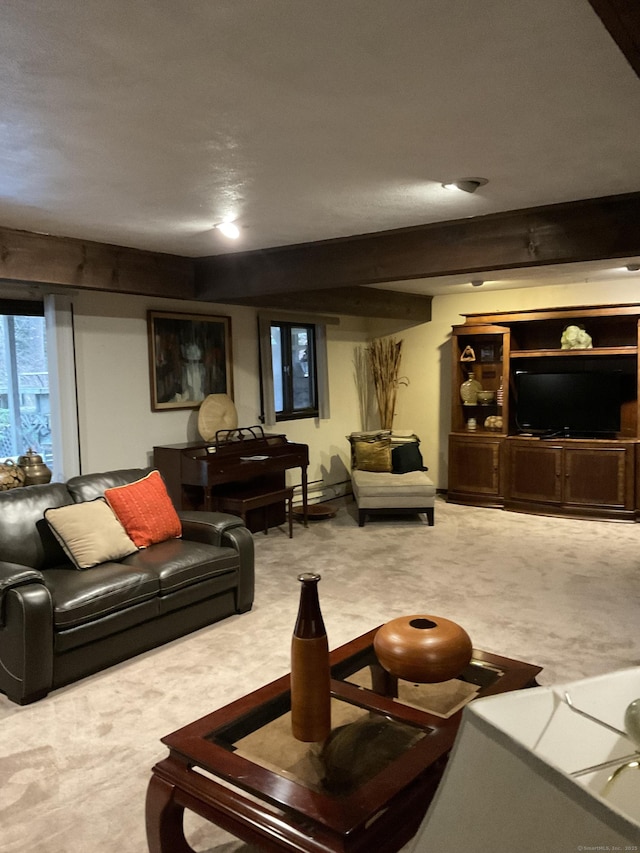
x: 362, y: 378
x: 384, y: 356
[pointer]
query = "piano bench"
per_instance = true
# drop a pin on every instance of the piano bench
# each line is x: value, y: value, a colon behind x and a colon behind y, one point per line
x: 243, y: 503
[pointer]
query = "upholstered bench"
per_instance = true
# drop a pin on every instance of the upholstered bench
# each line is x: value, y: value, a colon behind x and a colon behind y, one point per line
x: 388, y: 476
x: 379, y: 493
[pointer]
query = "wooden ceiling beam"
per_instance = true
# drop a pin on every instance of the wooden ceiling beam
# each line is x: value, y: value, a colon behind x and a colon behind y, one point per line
x: 587, y: 230
x: 622, y: 19
x: 350, y: 301
x: 85, y: 265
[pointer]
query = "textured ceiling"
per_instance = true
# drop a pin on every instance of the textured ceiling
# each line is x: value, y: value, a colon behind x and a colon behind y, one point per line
x: 143, y: 124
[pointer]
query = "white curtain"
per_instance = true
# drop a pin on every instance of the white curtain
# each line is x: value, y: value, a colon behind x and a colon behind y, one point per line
x: 58, y: 313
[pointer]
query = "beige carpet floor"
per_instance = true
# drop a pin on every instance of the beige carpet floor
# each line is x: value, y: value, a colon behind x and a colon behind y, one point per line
x: 561, y: 593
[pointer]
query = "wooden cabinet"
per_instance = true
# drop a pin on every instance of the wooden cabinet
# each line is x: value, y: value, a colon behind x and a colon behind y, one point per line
x: 585, y: 478
x: 494, y: 464
x: 535, y: 472
x: 475, y: 469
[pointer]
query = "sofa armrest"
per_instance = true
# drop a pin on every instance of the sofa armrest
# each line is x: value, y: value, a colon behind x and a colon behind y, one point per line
x: 26, y: 634
x: 223, y: 529
x: 241, y: 539
x: 207, y: 526
x: 13, y: 575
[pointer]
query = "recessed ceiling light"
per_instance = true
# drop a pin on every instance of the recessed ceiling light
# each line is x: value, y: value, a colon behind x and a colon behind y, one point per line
x: 633, y: 267
x: 477, y: 282
x: 467, y: 185
x: 229, y: 229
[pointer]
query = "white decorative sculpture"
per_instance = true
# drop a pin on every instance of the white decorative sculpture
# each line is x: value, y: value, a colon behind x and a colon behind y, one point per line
x: 574, y: 337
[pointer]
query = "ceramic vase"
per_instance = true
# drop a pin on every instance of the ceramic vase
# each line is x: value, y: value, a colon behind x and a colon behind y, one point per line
x: 423, y: 649
x: 469, y: 390
x: 310, y: 675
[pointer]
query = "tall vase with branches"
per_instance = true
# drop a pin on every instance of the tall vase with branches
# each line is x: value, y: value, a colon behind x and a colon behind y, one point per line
x: 384, y: 355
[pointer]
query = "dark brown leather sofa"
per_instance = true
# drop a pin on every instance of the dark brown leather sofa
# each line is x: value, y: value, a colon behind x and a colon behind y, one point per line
x: 59, y: 624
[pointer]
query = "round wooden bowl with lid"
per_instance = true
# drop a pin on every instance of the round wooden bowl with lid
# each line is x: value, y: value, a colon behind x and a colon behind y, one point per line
x: 423, y: 648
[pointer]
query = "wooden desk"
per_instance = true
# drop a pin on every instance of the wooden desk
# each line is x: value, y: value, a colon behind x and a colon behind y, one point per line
x: 199, y: 474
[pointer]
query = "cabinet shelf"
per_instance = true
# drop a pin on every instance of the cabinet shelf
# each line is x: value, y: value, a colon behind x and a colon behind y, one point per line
x: 573, y: 353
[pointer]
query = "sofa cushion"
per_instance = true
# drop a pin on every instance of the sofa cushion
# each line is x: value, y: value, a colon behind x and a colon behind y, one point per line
x: 413, y: 489
x: 145, y: 510
x: 25, y: 537
x: 89, y: 533
x: 112, y: 587
x: 88, y: 487
x: 179, y: 562
x: 373, y: 455
x: 407, y: 457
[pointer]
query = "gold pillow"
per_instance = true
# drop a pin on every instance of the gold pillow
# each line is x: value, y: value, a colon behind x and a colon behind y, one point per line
x: 90, y: 533
x: 373, y: 455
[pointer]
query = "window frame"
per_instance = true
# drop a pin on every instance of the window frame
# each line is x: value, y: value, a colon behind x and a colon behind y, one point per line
x: 289, y: 411
x: 267, y: 396
x: 57, y: 309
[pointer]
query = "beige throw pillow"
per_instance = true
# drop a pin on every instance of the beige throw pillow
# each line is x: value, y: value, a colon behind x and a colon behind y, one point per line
x: 373, y: 455
x: 89, y: 533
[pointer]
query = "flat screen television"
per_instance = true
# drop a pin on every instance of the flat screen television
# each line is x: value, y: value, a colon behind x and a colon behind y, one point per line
x: 572, y: 404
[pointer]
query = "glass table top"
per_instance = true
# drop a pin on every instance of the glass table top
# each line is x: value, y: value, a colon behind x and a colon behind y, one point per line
x: 441, y: 699
x: 363, y: 740
x: 361, y: 744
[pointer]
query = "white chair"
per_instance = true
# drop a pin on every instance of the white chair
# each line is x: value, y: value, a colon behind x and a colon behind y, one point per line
x: 388, y: 477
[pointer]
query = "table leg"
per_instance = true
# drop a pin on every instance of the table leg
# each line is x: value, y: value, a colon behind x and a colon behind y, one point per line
x: 304, y: 495
x: 164, y: 819
x: 382, y: 682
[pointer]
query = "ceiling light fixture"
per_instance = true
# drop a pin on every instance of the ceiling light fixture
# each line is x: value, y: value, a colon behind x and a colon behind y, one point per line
x: 467, y: 185
x: 633, y: 267
x: 477, y: 282
x: 229, y: 229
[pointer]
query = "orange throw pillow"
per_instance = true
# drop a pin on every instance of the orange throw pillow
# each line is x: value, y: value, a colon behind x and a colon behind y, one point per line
x: 145, y: 510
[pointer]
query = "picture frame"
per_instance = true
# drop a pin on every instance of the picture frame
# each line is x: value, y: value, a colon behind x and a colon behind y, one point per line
x: 487, y: 352
x: 189, y: 358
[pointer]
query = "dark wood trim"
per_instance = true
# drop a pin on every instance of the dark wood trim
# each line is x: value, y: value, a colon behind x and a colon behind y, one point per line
x: 622, y: 20
x: 587, y: 230
x: 351, y: 301
x: 329, y: 275
x: 85, y: 265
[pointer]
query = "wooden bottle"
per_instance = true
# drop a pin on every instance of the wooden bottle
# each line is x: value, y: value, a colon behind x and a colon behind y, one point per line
x: 310, y: 676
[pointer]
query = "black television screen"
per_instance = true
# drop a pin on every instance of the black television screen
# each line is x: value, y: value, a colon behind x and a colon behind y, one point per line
x: 582, y: 404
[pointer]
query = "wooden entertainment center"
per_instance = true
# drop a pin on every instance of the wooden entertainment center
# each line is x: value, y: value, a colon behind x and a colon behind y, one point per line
x: 549, y: 474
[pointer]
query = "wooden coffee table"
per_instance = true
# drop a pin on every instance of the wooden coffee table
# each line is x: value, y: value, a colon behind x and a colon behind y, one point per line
x: 367, y: 789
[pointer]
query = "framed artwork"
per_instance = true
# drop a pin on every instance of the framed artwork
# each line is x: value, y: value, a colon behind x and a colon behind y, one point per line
x: 487, y: 352
x: 189, y: 358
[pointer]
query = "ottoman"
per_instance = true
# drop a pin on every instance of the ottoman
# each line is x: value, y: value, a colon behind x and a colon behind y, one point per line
x: 379, y: 493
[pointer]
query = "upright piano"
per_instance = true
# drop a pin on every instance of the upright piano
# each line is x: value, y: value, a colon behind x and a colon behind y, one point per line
x: 241, y: 461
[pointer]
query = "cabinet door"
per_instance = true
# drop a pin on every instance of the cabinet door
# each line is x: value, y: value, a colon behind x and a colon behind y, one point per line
x: 474, y: 468
x: 599, y: 477
x: 535, y: 472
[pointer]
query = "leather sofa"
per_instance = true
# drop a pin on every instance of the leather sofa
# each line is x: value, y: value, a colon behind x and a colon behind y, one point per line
x: 59, y: 624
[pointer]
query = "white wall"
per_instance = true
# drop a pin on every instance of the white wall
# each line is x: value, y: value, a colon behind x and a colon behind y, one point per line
x: 118, y: 428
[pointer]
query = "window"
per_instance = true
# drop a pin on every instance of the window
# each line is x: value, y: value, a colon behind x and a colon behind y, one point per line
x: 294, y: 380
x: 293, y: 363
x: 25, y: 412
